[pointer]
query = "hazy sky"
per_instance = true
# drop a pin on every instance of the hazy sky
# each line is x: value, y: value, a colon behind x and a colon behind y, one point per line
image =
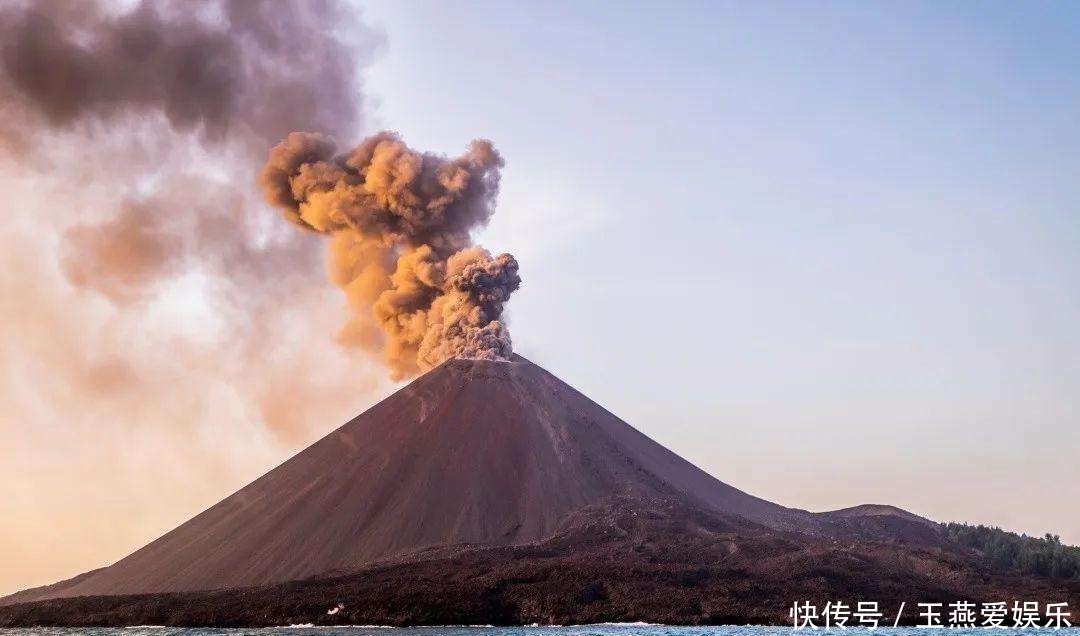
x: 828, y: 253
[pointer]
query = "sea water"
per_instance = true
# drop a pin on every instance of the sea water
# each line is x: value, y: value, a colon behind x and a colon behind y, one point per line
x: 578, y: 630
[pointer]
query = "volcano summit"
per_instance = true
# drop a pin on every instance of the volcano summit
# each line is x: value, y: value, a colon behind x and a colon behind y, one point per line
x: 492, y: 492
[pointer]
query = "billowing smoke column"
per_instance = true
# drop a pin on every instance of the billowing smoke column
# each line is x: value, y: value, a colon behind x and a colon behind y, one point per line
x: 400, y: 246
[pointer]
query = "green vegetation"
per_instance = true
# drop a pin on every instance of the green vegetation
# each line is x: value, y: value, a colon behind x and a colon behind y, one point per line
x: 1013, y: 553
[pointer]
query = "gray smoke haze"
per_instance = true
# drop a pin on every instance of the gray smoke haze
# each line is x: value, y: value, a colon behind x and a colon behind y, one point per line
x: 149, y: 122
x: 401, y: 246
x: 233, y: 76
x: 208, y: 67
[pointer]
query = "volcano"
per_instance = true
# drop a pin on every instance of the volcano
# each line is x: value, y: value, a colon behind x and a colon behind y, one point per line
x: 475, y: 452
x: 472, y: 472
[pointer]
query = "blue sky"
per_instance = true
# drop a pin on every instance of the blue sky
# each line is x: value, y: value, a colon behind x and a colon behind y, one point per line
x: 829, y: 252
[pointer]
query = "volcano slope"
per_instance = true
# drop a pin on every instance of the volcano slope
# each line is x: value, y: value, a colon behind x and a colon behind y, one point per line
x: 492, y: 492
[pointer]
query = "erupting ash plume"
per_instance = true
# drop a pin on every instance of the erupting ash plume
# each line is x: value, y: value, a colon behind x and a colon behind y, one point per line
x: 400, y: 247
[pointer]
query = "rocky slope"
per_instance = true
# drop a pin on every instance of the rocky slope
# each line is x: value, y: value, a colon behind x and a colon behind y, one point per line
x: 492, y: 492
